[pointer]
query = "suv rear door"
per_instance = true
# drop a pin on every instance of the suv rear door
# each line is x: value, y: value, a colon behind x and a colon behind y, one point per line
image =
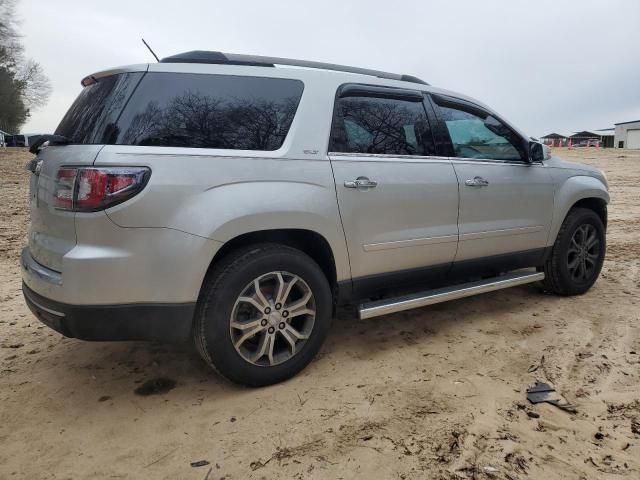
x: 506, y: 203
x: 398, y: 200
x: 52, y: 233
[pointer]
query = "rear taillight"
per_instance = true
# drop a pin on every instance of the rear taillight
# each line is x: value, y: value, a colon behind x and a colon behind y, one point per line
x: 89, y: 189
x: 64, y: 188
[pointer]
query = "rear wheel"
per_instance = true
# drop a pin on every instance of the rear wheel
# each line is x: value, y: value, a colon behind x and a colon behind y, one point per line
x: 263, y: 314
x: 577, y: 255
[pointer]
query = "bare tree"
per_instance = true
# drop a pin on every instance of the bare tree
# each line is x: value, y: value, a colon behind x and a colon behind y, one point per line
x: 10, y: 47
x: 25, y: 87
x: 7, y: 20
x: 36, y: 87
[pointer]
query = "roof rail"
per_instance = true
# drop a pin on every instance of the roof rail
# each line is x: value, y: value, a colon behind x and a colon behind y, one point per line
x: 202, y: 56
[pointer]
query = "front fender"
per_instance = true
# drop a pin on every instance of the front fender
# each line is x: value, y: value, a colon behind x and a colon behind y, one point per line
x: 570, y: 192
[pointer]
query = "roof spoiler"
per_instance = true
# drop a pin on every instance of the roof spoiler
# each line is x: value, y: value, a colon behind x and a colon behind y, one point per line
x: 52, y: 139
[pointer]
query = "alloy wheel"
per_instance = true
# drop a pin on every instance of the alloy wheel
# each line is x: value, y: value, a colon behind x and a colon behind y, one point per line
x: 272, y: 318
x: 584, y: 253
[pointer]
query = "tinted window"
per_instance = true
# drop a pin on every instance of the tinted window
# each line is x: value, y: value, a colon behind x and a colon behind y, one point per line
x: 380, y: 126
x: 476, y: 136
x: 209, y: 111
x: 97, y: 108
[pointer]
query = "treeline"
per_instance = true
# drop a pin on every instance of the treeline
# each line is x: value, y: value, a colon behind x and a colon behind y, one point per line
x: 23, y: 85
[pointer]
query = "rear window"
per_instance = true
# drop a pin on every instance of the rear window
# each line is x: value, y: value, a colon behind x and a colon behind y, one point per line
x: 209, y: 111
x: 93, y: 114
x: 184, y: 110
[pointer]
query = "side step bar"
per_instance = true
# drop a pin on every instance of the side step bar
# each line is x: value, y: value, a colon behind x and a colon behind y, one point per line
x: 438, y: 295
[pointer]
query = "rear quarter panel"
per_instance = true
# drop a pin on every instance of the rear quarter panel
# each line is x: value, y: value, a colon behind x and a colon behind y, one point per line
x: 221, y: 197
x: 221, y: 194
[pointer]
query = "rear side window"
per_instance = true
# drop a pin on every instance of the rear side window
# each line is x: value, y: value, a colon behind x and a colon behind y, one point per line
x: 377, y: 125
x: 209, y: 111
x: 93, y: 114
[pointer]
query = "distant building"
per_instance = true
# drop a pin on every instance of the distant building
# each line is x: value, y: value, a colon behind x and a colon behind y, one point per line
x: 17, y: 140
x: 606, y: 137
x: 2, y: 138
x: 624, y: 135
x: 555, y: 140
x: 627, y: 134
x: 585, y: 138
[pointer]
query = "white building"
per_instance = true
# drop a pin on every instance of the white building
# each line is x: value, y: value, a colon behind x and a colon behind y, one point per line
x: 627, y: 134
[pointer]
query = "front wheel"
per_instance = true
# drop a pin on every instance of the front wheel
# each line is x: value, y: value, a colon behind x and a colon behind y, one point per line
x: 577, y: 255
x: 263, y: 314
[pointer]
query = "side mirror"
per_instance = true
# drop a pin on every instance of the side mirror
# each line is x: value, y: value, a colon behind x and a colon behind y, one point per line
x: 536, y: 152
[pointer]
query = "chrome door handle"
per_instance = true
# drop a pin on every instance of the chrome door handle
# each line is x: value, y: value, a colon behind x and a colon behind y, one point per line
x: 476, y: 182
x: 361, y: 183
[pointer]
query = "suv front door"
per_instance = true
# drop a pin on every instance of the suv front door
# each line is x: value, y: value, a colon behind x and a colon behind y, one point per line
x: 506, y: 202
x: 398, y: 201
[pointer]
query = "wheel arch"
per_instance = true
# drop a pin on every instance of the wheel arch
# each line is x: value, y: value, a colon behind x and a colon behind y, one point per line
x: 596, y: 204
x: 308, y: 241
x: 579, y: 191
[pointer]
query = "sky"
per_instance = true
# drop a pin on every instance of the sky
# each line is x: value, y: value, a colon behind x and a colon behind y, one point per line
x: 547, y: 66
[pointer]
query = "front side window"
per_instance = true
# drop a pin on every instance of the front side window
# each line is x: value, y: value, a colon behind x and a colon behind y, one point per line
x: 209, y: 111
x: 380, y: 126
x: 474, y: 135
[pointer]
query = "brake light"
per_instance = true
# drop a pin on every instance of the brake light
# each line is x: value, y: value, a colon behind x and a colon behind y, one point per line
x: 64, y: 188
x: 89, y: 189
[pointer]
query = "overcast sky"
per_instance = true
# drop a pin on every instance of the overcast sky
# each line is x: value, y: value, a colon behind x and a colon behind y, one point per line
x: 558, y: 66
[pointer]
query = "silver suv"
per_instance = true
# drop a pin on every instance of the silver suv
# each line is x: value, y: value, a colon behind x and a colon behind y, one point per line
x: 237, y: 200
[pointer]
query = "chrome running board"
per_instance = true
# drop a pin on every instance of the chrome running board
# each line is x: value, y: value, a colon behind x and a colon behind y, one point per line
x: 438, y: 295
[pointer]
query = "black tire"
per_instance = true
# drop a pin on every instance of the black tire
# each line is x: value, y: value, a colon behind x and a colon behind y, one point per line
x: 223, y: 286
x: 559, y: 276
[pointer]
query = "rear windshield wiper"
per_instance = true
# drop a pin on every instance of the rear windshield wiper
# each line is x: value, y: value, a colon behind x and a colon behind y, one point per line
x: 52, y: 139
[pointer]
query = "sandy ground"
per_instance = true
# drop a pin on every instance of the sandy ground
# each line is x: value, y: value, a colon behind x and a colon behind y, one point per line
x: 432, y: 393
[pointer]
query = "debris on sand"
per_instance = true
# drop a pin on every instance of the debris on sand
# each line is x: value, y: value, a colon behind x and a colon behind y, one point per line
x: 490, y: 471
x: 543, y: 392
x: 447, y: 452
x: 518, y: 461
x: 532, y: 368
x: 283, y: 453
x: 155, y: 386
x: 581, y: 393
x: 591, y: 461
x: 199, y: 463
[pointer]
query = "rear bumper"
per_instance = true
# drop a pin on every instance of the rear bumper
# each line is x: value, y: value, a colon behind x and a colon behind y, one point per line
x: 112, y: 265
x: 167, y: 322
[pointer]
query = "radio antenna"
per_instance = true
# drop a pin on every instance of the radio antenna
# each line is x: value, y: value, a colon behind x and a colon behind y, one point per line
x: 152, y: 52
